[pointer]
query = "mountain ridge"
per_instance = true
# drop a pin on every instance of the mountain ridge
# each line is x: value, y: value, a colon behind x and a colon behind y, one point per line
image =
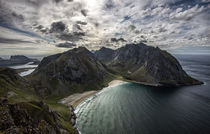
x: 145, y: 64
x: 76, y: 70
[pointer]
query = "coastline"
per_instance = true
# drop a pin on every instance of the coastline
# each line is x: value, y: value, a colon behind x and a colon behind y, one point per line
x: 77, y: 98
x: 145, y: 83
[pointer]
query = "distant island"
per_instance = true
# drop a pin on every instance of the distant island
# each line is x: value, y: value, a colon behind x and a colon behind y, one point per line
x: 31, y: 102
x: 17, y: 60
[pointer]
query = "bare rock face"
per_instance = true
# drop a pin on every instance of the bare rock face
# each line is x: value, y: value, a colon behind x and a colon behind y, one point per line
x: 27, y: 117
x: 72, y: 71
x: 146, y: 64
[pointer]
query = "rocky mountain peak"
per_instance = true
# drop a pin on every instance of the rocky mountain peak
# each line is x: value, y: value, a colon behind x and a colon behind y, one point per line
x: 147, y: 64
x: 68, y: 70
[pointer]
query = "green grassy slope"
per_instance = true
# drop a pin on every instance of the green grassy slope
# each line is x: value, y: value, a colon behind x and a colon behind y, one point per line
x: 19, y: 92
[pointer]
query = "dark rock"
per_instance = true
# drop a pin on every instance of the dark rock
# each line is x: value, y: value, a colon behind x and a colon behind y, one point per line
x: 146, y: 64
x: 72, y: 71
x: 3, y: 100
x: 73, y: 122
x: 28, y: 117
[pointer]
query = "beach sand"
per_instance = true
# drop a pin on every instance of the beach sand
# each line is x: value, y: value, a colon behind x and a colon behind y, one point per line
x: 77, y: 98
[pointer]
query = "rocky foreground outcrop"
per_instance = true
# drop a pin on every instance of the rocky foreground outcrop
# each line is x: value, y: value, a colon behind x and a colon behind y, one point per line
x: 29, y: 118
x: 22, y: 112
x: 145, y: 64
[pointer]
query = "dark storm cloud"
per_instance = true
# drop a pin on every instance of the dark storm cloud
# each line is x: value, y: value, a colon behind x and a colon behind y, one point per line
x: 117, y: 40
x: 96, y: 24
x: 131, y: 27
x: 39, y: 27
x: 58, y: 27
x: 81, y: 23
x: 79, y: 34
x: 66, y: 45
x: 57, y: 1
x: 78, y: 27
x: 76, y: 36
x: 109, y: 5
x: 12, y: 41
x: 137, y: 32
x: 126, y: 18
x: 161, y: 30
x: 84, y: 12
x: 18, y: 16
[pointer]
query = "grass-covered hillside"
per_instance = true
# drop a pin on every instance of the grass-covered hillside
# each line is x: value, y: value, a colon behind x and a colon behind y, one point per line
x: 22, y: 110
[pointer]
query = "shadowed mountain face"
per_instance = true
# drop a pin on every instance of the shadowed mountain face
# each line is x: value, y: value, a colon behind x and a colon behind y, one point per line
x: 78, y: 69
x: 143, y: 63
x: 72, y: 71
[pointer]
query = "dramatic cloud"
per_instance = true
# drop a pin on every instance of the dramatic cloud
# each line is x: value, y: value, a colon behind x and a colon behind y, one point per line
x: 57, y: 27
x: 66, y: 45
x: 12, y: 41
x: 96, y: 23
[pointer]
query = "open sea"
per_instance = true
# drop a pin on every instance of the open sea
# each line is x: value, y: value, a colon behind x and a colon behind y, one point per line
x: 137, y: 109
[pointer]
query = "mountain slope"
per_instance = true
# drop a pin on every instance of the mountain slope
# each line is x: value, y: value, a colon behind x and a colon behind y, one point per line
x: 15, y: 86
x: 72, y: 71
x: 146, y: 64
x: 21, y: 110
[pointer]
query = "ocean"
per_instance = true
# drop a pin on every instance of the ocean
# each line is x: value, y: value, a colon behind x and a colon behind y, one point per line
x: 137, y: 109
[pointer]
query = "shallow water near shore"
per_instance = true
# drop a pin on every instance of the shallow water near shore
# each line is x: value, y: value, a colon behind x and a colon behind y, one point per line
x: 137, y: 109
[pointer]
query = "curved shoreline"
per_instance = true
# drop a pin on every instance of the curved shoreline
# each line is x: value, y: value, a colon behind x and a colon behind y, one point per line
x: 76, y: 99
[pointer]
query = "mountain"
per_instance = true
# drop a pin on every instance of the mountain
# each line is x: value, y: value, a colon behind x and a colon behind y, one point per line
x: 73, y: 71
x: 22, y: 110
x: 17, y: 60
x: 11, y: 84
x: 145, y: 64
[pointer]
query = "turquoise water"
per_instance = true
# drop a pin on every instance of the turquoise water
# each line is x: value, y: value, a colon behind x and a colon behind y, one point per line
x: 136, y: 109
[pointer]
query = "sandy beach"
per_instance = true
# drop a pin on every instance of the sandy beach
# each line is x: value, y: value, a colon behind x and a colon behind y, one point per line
x: 77, y: 98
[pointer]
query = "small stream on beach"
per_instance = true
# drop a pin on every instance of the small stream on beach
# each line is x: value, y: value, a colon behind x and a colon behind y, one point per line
x: 136, y: 109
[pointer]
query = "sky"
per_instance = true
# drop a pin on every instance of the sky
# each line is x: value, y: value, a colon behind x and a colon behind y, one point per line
x: 51, y: 26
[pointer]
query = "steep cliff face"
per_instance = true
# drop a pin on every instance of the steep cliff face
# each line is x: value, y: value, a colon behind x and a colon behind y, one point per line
x: 105, y: 54
x: 143, y: 63
x: 72, y: 71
